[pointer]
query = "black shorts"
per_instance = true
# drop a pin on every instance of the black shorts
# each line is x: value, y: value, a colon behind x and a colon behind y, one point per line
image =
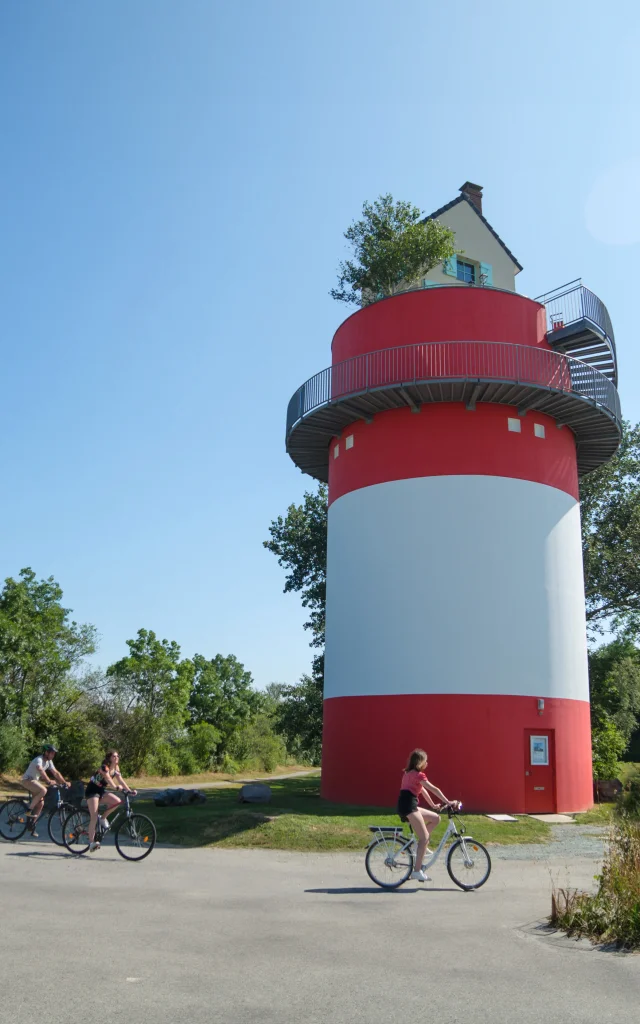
x: 93, y: 790
x: 407, y: 802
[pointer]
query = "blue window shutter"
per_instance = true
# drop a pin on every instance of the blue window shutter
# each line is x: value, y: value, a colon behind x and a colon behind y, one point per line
x: 486, y: 271
x: 450, y: 266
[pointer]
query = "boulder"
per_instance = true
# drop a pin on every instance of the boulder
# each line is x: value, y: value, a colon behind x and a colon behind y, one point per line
x: 606, y: 789
x: 255, y: 793
x: 178, y: 798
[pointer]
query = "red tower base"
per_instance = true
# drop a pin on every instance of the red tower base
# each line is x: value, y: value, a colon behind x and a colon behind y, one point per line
x: 477, y: 744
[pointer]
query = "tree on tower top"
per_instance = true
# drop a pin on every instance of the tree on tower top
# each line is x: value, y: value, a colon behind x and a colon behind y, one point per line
x: 392, y: 248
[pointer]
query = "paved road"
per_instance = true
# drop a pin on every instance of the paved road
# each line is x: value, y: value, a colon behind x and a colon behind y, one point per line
x: 241, y: 937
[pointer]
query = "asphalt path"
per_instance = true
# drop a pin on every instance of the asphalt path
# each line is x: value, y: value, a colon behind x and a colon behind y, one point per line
x: 263, y: 936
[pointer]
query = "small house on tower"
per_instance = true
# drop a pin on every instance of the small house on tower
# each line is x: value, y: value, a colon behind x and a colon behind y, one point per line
x: 484, y: 259
x: 452, y: 427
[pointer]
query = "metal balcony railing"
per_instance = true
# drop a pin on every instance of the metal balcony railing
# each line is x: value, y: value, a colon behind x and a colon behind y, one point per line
x: 453, y: 361
x: 573, y: 302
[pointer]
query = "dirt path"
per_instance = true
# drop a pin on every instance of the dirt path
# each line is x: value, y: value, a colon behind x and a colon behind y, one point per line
x: 225, y: 783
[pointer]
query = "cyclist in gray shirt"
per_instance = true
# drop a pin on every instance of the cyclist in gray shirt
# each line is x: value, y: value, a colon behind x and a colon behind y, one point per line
x: 41, y: 767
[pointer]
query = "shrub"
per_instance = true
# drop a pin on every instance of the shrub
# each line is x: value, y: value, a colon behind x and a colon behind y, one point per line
x: 628, y: 804
x: 204, y: 740
x: 257, y: 746
x: 229, y: 766
x: 612, y: 914
x: 185, y: 757
x: 13, y: 748
x: 162, y: 761
x: 80, y: 744
x: 608, y: 745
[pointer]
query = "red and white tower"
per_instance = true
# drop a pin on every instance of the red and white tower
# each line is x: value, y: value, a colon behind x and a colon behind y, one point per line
x: 452, y: 428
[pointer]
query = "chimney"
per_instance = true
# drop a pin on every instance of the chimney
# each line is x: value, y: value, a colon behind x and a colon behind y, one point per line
x: 473, y: 193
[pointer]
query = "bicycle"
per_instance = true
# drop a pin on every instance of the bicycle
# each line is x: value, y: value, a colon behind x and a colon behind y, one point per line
x: 134, y: 834
x: 390, y: 856
x: 14, y: 817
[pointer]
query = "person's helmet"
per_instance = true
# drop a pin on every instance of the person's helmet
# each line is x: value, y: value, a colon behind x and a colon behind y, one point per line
x: 49, y: 748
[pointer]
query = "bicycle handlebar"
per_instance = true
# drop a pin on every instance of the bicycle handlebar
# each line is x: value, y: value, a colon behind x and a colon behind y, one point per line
x: 453, y: 807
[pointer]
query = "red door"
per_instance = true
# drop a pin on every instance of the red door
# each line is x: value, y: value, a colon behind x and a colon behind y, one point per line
x: 539, y: 772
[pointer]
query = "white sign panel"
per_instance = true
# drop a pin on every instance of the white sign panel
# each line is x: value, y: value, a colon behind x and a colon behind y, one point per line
x: 539, y: 750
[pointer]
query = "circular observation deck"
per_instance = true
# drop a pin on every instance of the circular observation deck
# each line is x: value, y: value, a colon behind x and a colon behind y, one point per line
x: 532, y: 378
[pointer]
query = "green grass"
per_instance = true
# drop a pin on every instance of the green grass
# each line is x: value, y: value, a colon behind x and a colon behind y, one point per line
x: 298, y: 819
x: 600, y: 814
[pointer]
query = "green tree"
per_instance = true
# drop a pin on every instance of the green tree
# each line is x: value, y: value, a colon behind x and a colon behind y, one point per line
x: 300, y: 542
x: 614, y: 682
x: 153, y: 677
x: 255, y: 745
x: 607, y: 746
x: 13, y: 748
x: 204, y: 739
x: 39, y: 647
x: 610, y: 510
x: 222, y: 694
x: 393, y: 246
x: 299, y: 718
x: 149, y: 693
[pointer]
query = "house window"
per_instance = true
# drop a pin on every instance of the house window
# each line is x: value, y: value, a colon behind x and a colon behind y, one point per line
x: 349, y: 441
x: 514, y: 424
x: 466, y: 272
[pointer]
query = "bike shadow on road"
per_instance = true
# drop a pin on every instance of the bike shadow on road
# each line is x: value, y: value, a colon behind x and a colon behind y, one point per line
x: 38, y: 853
x: 376, y: 891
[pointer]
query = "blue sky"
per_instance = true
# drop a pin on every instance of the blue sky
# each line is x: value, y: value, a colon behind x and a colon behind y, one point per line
x: 175, y: 182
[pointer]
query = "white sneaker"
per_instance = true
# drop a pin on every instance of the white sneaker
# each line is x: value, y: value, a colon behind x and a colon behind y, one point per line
x: 105, y: 824
x: 419, y: 876
x: 93, y: 846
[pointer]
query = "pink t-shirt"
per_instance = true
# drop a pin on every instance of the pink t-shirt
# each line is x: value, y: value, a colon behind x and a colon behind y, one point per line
x: 413, y: 781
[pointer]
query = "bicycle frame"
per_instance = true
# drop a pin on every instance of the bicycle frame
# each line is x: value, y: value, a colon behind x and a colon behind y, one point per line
x: 125, y: 807
x: 383, y: 833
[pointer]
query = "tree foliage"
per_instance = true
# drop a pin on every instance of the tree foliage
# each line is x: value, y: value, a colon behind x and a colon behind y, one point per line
x: 300, y: 543
x: 614, y: 682
x: 610, y: 509
x: 39, y: 647
x: 222, y: 695
x: 392, y: 248
x: 164, y: 713
x: 153, y: 678
x: 299, y: 718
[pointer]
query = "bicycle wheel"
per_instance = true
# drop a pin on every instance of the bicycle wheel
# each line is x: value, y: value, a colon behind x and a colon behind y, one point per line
x: 75, y: 832
x: 468, y: 863
x: 55, y: 822
x: 388, y: 863
x: 136, y: 837
x: 13, y: 819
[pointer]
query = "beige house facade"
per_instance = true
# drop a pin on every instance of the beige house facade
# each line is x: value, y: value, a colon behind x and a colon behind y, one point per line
x: 483, y: 259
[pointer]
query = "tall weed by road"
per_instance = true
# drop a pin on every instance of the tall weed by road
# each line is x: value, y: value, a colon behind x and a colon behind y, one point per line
x: 612, y: 913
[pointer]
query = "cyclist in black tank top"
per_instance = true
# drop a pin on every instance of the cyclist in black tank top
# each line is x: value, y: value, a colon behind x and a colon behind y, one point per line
x: 108, y: 774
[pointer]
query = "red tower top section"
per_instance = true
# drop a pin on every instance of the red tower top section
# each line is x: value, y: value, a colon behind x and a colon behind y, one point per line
x: 442, y: 314
x: 471, y: 345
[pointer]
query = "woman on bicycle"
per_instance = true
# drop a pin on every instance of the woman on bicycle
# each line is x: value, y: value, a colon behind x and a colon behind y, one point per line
x: 108, y: 774
x: 415, y: 784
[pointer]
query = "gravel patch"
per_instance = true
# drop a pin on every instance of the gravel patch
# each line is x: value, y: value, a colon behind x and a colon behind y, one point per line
x: 566, y: 841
